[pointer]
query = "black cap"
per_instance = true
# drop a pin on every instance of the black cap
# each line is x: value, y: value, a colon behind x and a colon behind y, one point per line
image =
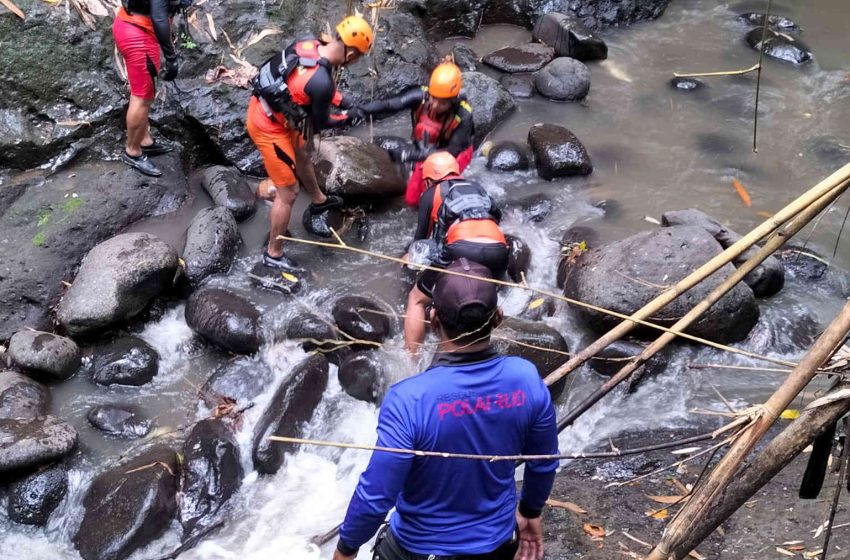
x: 453, y: 293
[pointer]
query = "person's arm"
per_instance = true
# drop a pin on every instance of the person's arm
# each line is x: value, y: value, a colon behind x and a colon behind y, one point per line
x: 321, y: 90
x: 382, y: 481
x: 162, y: 28
x: 542, y: 439
x: 408, y: 99
x: 426, y: 205
x: 462, y: 136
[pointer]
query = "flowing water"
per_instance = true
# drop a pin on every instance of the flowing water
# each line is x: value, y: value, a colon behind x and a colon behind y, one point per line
x: 654, y: 149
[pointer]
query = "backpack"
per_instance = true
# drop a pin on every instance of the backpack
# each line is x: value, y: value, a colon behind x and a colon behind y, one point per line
x: 463, y: 201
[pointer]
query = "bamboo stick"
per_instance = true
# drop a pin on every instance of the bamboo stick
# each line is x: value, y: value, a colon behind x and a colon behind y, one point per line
x: 698, y: 506
x: 772, y: 244
x: 733, y: 251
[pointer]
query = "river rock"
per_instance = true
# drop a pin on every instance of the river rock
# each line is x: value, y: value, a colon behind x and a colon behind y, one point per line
x: 275, y: 280
x: 619, y: 276
x: 117, y: 279
x: 520, y: 258
x: 210, y: 474
x: 539, y: 308
x: 126, y: 361
x: 21, y: 398
x: 290, y: 408
x: 595, y: 14
x: 558, y: 152
x: 362, y: 376
x: 32, y: 442
x: 361, y: 318
x: 774, y: 21
x: 569, y: 37
x: 610, y: 360
x: 229, y: 321
x: 490, y: 102
x: 686, y: 84
x: 765, y: 280
x: 312, y: 330
x: 129, y: 506
x: 349, y: 166
x: 44, y: 353
x: 447, y: 18
x: 121, y: 421
x: 518, y: 85
x: 529, y: 57
x: 212, y: 243
x: 242, y: 380
x: 229, y: 190
x: 51, y: 223
x: 563, y: 79
x: 465, y: 58
x: 785, y: 330
x: 33, y: 498
x: 507, y: 156
x: 512, y: 337
x: 780, y: 45
x: 536, y: 207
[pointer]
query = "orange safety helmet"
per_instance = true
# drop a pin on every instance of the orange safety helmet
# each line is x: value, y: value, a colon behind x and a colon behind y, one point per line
x: 439, y: 165
x: 446, y: 81
x: 356, y: 33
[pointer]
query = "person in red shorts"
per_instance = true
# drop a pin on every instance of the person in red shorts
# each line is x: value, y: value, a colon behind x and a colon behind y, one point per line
x: 292, y: 99
x: 142, y: 30
x: 442, y: 120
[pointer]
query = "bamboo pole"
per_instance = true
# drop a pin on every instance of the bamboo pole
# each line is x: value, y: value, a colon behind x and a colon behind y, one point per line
x: 733, y: 251
x: 774, y: 457
x: 772, y: 244
x: 698, y: 506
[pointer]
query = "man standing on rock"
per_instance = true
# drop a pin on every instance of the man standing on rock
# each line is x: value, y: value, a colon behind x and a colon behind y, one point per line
x: 293, y: 95
x: 470, y: 401
x: 442, y: 120
x: 142, y: 28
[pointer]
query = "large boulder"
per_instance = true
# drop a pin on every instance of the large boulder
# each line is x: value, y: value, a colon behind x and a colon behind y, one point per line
x: 529, y: 57
x: 595, y: 14
x: 558, y: 152
x: 117, y: 279
x: 362, y: 375
x: 21, y: 398
x: 626, y: 275
x: 44, y: 353
x: 29, y: 443
x: 520, y: 86
x: 129, y: 506
x: 120, y: 421
x: 210, y: 474
x: 52, y: 222
x: 348, y: 166
x: 447, y: 18
x: 536, y: 342
x: 126, y: 361
x: 491, y: 103
x: 212, y: 243
x: 229, y: 189
x: 781, y: 46
x: 361, y: 318
x: 229, y: 321
x: 569, y: 37
x: 465, y: 58
x: 241, y: 380
x: 507, y: 156
x: 33, y: 498
x: 563, y: 79
x: 289, y: 409
x: 765, y: 280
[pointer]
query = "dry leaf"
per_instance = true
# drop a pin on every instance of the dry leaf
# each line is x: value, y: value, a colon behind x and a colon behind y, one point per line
x: 211, y: 25
x: 784, y: 552
x: 660, y: 514
x: 668, y: 499
x: 13, y: 8
x: 257, y: 37
x: 536, y: 303
x: 790, y: 414
x: 813, y: 554
x: 652, y: 220
x: 595, y: 531
x: 94, y: 7
x: 796, y: 547
x: 569, y: 506
x: 241, y: 77
x: 764, y: 214
x: 288, y: 276
x: 839, y: 395
x: 742, y: 192
x: 686, y: 451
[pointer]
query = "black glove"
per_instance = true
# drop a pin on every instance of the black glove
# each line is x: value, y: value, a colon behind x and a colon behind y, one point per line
x: 356, y: 116
x: 411, y: 152
x: 169, y: 71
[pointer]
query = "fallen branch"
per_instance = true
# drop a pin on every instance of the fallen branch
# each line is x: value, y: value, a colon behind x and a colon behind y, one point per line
x: 13, y: 8
x: 752, y: 68
x: 758, y: 75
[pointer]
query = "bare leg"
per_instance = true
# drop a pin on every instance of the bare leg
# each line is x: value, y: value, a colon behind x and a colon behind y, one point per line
x: 138, y: 127
x: 414, y: 321
x: 279, y: 217
x: 307, y: 175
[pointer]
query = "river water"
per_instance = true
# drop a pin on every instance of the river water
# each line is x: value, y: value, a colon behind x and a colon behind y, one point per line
x: 654, y: 149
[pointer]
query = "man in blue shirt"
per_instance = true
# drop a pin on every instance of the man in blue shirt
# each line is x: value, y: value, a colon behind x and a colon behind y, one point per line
x: 472, y: 401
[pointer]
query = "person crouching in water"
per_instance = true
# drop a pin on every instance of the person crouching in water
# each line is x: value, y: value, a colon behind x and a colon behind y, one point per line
x: 142, y: 29
x: 461, y: 221
x: 292, y: 100
x: 442, y: 120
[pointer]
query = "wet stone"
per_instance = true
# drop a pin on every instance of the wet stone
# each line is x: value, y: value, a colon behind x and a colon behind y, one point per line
x: 514, y: 337
x: 275, y: 280
x: 225, y: 319
x: 212, y: 242
x: 21, y: 397
x: 312, y: 330
x: 465, y: 58
x: 563, y: 79
x: 362, y: 376
x: 491, y: 103
x: 518, y: 85
x: 781, y: 46
x: 241, y: 380
x: 571, y: 247
x: 348, y: 166
x: 120, y: 421
x: 229, y: 190
x: 558, y: 152
x: 29, y: 443
x: 519, y: 259
x: 33, y: 498
x: 536, y: 208
x: 774, y: 21
x: 361, y: 318
x: 568, y: 36
x: 686, y: 84
x: 530, y: 57
x: 507, y: 156
x: 127, y: 361
x: 43, y: 353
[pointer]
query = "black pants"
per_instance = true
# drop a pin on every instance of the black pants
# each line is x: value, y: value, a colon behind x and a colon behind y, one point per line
x: 387, y: 548
x: 494, y: 256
